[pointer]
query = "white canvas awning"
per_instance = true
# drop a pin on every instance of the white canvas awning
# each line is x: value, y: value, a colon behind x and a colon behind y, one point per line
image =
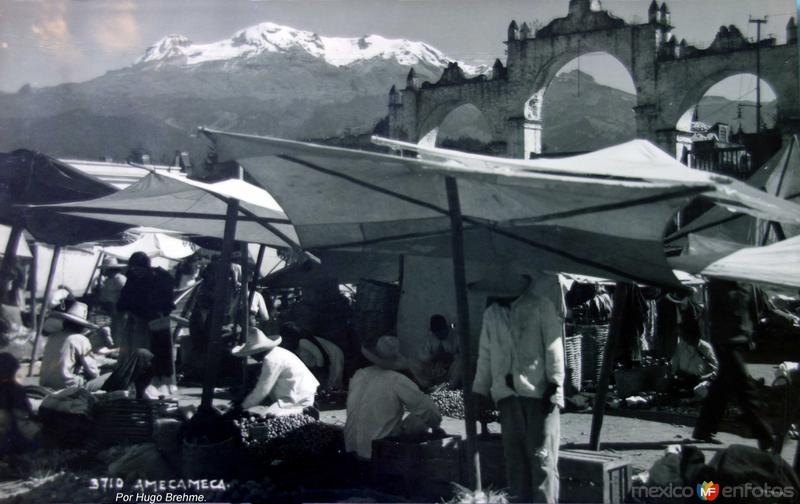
x: 192, y: 208
x: 774, y: 264
x: 154, y: 245
x: 780, y: 176
x: 601, y: 214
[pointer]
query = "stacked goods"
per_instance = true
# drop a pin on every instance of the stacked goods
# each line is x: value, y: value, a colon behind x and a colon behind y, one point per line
x: 451, y: 404
x: 573, y: 349
x: 291, y: 438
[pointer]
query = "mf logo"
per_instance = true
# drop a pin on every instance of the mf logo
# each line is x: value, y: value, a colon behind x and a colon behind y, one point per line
x: 707, y: 491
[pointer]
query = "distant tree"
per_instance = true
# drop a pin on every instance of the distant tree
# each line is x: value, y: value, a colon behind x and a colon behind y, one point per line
x: 26, y: 89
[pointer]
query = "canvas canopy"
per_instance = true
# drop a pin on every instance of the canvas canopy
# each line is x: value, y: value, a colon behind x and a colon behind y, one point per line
x: 780, y: 176
x: 600, y: 214
x: 31, y: 178
x: 190, y: 207
x: 774, y: 264
x: 153, y: 244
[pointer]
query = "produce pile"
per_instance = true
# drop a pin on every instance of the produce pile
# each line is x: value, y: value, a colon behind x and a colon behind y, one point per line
x: 451, y: 404
x: 292, y: 438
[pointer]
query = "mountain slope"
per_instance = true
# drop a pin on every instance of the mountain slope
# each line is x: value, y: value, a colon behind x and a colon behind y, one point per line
x: 271, y: 80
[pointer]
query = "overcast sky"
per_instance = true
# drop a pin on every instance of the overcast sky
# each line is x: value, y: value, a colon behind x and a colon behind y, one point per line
x: 47, y: 42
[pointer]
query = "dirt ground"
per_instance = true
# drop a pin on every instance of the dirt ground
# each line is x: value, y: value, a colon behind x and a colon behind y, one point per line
x: 642, y: 440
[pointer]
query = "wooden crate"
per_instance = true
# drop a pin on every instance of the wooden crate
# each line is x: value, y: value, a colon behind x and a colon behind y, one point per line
x: 585, y: 476
x: 589, y: 476
x: 418, y: 469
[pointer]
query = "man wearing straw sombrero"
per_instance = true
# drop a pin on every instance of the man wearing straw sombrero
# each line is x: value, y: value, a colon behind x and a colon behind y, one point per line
x: 68, y: 360
x: 379, y: 396
x: 285, y: 383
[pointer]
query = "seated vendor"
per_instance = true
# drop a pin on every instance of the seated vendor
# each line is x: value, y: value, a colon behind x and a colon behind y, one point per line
x: 378, y: 398
x: 694, y: 361
x: 285, y: 383
x: 69, y: 358
x: 323, y: 357
x: 438, y: 360
x: 18, y: 430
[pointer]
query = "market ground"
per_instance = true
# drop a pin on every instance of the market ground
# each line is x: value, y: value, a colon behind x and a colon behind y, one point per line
x: 644, y: 441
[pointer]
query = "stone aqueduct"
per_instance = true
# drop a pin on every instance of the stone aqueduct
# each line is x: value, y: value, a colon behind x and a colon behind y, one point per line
x: 669, y: 77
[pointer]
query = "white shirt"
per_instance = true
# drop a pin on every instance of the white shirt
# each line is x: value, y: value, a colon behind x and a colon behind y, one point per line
x: 376, y: 401
x: 259, y: 307
x: 311, y: 356
x: 284, y: 379
x: 60, y: 361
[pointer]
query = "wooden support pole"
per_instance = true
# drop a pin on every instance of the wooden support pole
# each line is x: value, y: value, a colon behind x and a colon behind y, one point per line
x: 621, y: 292
x: 462, y: 303
x: 262, y: 249
x: 221, y: 293
x: 97, y: 264
x: 9, y: 258
x: 244, y: 302
x: 48, y: 293
x: 33, y: 287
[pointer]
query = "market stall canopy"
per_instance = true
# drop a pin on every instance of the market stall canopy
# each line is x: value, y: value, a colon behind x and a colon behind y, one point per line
x: 190, y: 207
x: 153, y: 244
x: 31, y: 178
x: 780, y: 176
x: 601, y: 214
x: 774, y: 264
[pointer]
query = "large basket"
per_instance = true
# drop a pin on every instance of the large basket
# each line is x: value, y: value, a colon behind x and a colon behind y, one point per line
x: 574, y: 355
x: 125, y: 421
x: 593, y: 344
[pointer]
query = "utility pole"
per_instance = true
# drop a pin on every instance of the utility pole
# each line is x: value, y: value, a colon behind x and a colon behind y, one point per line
x: 758, y: 22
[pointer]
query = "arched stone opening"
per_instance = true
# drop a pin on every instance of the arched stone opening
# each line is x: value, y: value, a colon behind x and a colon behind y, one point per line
x: 718, y: 130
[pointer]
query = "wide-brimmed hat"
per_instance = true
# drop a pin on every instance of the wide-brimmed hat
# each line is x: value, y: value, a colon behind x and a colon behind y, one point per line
x: 386, y: 353
x: 111, y: 263
x: 256, y: 342
x: 77, y: 313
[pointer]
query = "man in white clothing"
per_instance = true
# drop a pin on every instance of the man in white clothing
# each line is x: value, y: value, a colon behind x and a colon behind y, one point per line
x: 323, y: 357
x: 521, y: 367
x: 285, y: 382
x: 378, y: 397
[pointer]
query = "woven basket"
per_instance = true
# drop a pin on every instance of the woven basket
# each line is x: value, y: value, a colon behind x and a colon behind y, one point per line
x: 573, y: 349
x: 125, y: 421
x: 593, y: 345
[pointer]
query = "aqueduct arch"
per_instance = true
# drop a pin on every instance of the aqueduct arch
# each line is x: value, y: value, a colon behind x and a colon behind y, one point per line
x: 667, y: 75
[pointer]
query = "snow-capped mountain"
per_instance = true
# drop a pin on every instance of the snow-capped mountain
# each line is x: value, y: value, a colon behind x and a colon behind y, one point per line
x: 274, y: 38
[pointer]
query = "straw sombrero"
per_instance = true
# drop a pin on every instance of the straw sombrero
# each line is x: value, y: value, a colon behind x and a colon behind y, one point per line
x: 256, y: 342
x: 386, y: 353
x: 111, y: 263
x: 77, y: 313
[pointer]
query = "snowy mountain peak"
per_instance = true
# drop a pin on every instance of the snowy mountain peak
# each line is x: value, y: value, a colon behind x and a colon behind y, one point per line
x: 274, y: 38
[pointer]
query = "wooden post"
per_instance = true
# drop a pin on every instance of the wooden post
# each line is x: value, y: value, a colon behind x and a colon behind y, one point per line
x: 244, y: 303
x: 33, y: 287
x: 9, y: 258
x: 462, y: 303
x: 48, y: 292
x: 97, y: 264
x: 621, y: 292
x: 259, y: 261
x: 221, y: 293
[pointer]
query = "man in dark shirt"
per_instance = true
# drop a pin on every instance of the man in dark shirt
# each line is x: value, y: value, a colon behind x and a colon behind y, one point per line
x: 731, y: 323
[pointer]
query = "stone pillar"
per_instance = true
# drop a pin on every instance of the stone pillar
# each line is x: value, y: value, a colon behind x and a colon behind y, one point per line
x: 403, y: 117
x: 667, y: 139
x: 646, y: 122
x: 524, y: 137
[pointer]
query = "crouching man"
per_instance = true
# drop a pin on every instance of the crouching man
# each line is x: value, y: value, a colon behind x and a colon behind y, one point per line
x: 285, y: 383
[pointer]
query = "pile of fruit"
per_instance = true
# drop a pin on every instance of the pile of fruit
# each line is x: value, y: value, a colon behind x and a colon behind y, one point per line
x: 451, y: 404
x: 295, y: 438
